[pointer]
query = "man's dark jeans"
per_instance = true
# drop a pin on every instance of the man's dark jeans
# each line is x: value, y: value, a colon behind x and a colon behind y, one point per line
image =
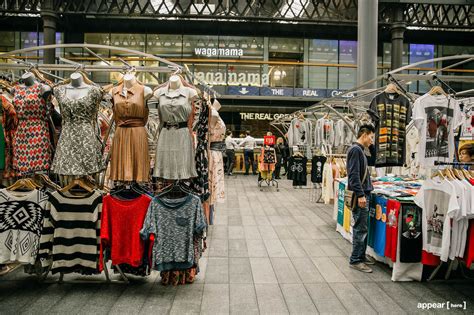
x: 249, y: 160
x: 230, y: 161
x: 359, y: 233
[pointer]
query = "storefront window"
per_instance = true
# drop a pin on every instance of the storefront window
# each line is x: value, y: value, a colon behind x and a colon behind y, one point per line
x: 324, y: 52
x: 251, y: 47
x: 7, y: 41
x: 246, y: 75
x: 166, y: 46
x: 130, y: 41
x: 99, y: 39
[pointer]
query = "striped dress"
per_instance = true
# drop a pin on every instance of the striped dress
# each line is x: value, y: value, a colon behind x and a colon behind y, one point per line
x: 72, y: 244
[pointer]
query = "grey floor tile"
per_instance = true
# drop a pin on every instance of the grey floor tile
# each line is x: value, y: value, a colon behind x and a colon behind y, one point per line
x: 159, y: 300
x: 130, y: 301
x: 405, y: 299
x: 299, y: 232
x: 293, y: 248
x: 307, y: 270
x: 217, y: 270
x: 342, y: 263
x: 236, y: 233
x: 188, y: 299
x: 270, y: 299
x: 262, y: 220
x: 215, y: 299
x: 268, y: 232
x: 252, y: 233
x: 352, y: 299
x: 328, y: 269
x: 243, y: 299
x: 312, y: 248
x: 248, y: 220
x: 284, y: 233
x: 325, y: 299
x: 219, y: 248
x: 262, y: 270
x: 240, y: 270
x: 220, y: 232
x: 235, y: 220
x: 297, y: 299
x: 238, y: 248
x: 276, y: 220
x: 274, y: 248
x: 256, y: 248
x: 221, y: 220
x: 285, y: 271
x: 383, y: 303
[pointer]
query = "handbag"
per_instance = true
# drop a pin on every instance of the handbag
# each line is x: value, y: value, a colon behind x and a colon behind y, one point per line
x: 349, y: 195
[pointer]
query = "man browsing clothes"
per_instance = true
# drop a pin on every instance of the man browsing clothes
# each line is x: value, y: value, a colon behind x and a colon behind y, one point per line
x: 230, y: 146
x: 249, y: 145
x: 361, y: 185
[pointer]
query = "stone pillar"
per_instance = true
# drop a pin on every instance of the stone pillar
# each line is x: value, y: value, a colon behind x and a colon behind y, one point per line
x: 49, y: 30
x: 367, y: 32
x: 397, y: 29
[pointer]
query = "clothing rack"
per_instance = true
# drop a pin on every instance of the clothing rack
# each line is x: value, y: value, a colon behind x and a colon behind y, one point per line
x: 454, y: 163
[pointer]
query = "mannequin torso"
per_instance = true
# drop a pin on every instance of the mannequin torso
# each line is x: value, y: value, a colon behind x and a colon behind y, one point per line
x: 29, y: 80
x: 129, y: 80
x: 77, y: 88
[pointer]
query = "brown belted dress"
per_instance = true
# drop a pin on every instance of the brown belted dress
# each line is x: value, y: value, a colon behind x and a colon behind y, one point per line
x: 130, y: 160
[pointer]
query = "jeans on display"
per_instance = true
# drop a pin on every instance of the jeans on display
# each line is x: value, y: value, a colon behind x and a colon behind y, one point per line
x: 359, y: 233
x: 230, y: 160
x: 248, y: 156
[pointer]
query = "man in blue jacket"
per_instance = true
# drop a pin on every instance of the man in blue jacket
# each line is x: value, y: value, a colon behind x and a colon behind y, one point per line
x: 361, y: 185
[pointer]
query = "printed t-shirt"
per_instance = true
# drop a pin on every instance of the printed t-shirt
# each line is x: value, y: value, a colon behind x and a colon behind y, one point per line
x: 380, y: 225
x: 411, y: 236
x: 391, y: 241
x: 439, y: 203
x: 372, y: 222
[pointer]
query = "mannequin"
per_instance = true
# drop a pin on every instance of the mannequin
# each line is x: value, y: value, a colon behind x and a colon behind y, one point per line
x: 29, y: 80
x: 77, y: 88
x: 216, y: 106
x: 129, y: 80
x: 175, y: 82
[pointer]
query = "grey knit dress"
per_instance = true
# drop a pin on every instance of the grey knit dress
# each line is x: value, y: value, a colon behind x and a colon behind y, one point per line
x: 175, y: 149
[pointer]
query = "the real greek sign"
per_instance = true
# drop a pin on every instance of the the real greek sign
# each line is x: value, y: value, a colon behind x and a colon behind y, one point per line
x: 262, y: 116
x: 219, y: 52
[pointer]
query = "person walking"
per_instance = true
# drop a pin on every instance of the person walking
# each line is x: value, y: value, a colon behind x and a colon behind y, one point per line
x: 280, y: 152
x: 230, y: 146
x: 249, y: 145
x: 361, y: 185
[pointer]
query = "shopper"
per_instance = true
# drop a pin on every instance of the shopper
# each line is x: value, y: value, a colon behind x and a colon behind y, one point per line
x: 230, y: 146
x: 249, y: 145
x: 361, y: 185
x: 466, y: 154
x: 280, y: 152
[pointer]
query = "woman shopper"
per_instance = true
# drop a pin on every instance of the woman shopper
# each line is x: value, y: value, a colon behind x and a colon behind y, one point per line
x: 280, y: 153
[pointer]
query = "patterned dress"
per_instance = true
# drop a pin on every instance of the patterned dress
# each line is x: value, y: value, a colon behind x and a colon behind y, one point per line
x: 216, y: 163
x: 79, y: 150
x: 31, y: 142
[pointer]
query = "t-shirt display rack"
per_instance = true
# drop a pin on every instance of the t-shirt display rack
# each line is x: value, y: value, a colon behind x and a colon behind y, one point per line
x: 47, y: 71
x: 398, y: 78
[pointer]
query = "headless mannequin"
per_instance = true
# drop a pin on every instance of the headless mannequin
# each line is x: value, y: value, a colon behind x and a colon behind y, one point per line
x: 175, y: 82
x: 129, y: 80
x: 29, y: 80
x: 215, y: 112
x: 77, y: 88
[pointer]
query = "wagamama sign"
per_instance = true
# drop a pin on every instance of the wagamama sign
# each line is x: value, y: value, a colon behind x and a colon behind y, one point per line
x: 219, y: 52
x: 232, y: 78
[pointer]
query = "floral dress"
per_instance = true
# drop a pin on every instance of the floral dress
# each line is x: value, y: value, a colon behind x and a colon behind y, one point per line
x: 31, y: 142
x: 79, y: 150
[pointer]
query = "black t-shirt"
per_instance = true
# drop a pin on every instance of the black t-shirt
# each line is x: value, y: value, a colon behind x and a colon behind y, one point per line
x: 317, y: 166
x: 411, y: 239
x: 391, y: 114
x: 297, y: 168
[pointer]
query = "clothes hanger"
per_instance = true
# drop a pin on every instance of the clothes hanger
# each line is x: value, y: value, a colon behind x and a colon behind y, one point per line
x: 78, y: 182
x: 23, y: 183
x: 46, y: 181
x: 175, y: 187
x: 437, y: 90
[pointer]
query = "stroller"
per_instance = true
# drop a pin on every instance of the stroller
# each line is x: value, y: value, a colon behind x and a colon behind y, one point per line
x: 266, y: 168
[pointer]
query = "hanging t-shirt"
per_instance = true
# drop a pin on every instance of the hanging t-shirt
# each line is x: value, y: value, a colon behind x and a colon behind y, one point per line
x: 436, y: 117
x: 411, y: 237
x: 390, y: 113
x: 467, y: 127
x: 372, y: 222
x: 391, y: 240
x: 380, y: 225
x: 469, y: 254
x: 439, y: 203
x: 76, y: 223
x: 21, y: 218
x: 317, y: 167
x: 298, y: 170
x: 121, y: 223
x: 340, y: 204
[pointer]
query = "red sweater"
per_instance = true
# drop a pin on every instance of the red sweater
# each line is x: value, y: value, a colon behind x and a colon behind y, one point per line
x: 121, y: 223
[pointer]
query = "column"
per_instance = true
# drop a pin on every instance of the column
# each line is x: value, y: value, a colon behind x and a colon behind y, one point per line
x: 265, y: 67
x: 306, y: 60
x: 397, y: 29
x: 49, y: 30
x: 367, y: 22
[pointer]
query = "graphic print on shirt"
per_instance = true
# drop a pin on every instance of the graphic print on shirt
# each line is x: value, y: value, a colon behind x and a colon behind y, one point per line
x: 438, y: 120
x: 411, y: 224
x: 436, y: 209
x: 467, y: 129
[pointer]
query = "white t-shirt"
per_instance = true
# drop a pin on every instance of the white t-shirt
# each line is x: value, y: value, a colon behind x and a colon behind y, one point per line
x: 436, y: 116
x: 439, y: 203
x: 467, y: 127
x: 460, y: 220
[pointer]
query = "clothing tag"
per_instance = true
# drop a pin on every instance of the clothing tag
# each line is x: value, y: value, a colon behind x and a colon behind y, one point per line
x: 124, y: 92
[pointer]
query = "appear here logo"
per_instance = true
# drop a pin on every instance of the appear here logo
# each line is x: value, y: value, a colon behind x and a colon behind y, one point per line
x: 219, y: 52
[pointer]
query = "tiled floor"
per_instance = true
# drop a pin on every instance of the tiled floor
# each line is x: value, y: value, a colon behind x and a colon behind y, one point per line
x: 269, y: 252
